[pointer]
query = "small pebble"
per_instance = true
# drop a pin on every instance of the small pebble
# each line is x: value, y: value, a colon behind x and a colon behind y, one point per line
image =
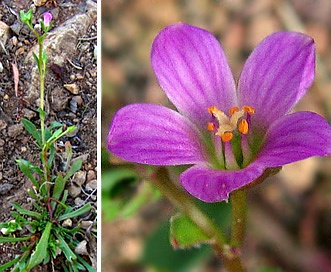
x: 90, y: 175
x: 79, y: 202
x: 91, y: 185
x: 67, y: 223
x: 74, y: 190
x: 5, y: 187
x: 80, y: 177
x: 73, y: 88
x: 15, y: 130
x: 81, y: 248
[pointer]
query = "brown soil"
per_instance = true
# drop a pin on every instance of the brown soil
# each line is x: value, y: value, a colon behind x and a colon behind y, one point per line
x: 79, y: 109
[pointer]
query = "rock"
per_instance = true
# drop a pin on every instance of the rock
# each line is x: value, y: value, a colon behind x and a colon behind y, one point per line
x: 16, y: 28
x: 59, y: 99
x: 81, y: 248
x: 28, y: 114
x: 67, y: 223
x: 15, y: 130
x: 74, y: 190
x: 90, y: 175
x: 78, y: 99
x: 73, y: 88
x: 91, y: 185
x: 39, y: 3
x: 87, y: 224
x: 79, y: 202
x: 80, y: 177
x: 4, y: 35
x: 5, y: 187
x: 1, y: 67
x: 59, y: 44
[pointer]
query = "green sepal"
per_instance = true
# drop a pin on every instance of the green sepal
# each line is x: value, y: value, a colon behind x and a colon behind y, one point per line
x: 184, y: 233
x: 26, y: 17
x: 40, y: 254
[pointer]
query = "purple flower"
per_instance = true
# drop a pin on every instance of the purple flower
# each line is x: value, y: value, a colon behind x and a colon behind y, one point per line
x: 47, y: 19
x: 230, y: 134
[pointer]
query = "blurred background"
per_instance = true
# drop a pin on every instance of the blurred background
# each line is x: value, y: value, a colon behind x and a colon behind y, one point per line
x: 289, y: 224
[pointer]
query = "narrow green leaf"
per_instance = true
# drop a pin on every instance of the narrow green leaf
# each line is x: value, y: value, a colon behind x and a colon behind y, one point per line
x: 184, y: 233
x: 21, y: 210
x: 26, y: 169
x: 37, y: 61
x: 40, y: 252
x: 86, y: 264
x: 52, y: 153
x: 3, y: 267
x: 56, y: 135
x: 58, y: 189
x: 32, y: 129
x: 70, y: 255
x: 55, y: 124
x: 4, y: 239
x: 76, y: 213
x: 73, y: 169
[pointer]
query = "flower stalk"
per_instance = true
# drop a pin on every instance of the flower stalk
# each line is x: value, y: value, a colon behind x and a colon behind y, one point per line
x: 41, y: 60
x: 181, y: 200
x: 239, y: 214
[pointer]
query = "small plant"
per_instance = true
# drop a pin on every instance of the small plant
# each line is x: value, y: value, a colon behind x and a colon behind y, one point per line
x: 47, y: 231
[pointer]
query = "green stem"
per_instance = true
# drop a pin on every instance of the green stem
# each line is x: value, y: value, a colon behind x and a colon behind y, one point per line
x: 239, y: 214
x: 42, y: 73
x: 185, y: 203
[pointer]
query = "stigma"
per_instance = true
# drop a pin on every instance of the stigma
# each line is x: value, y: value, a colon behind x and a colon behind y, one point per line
x: 225, y: 126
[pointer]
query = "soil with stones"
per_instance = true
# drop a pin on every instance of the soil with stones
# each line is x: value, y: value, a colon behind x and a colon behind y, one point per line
x: 71, y: 99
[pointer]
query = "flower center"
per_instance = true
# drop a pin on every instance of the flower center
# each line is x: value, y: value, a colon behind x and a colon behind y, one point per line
x: 232, y: 130
x: 227, y: 125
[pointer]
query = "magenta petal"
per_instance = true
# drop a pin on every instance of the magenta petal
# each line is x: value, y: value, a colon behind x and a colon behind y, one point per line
x: 277, y: 75
x: 210, y: 185
x: 156, y: 135
x: 193, y: 71
x: 295, y: 137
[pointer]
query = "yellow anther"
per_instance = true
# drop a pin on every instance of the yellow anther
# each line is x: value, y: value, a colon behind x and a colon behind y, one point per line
x: 249, y: 109
x: 233, y: 110
x: 210, y: 126
x: 227, y: 136
x: 213, y: 109
x: 243, y: 126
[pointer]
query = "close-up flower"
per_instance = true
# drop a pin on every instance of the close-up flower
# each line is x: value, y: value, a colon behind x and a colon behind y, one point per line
x: 230, y: 133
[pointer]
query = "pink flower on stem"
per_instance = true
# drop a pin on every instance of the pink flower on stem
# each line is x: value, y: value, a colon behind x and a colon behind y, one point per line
x: 47, y: 19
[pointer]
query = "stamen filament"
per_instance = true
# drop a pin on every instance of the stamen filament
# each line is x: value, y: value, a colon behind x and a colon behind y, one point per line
x: 230, y: 160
